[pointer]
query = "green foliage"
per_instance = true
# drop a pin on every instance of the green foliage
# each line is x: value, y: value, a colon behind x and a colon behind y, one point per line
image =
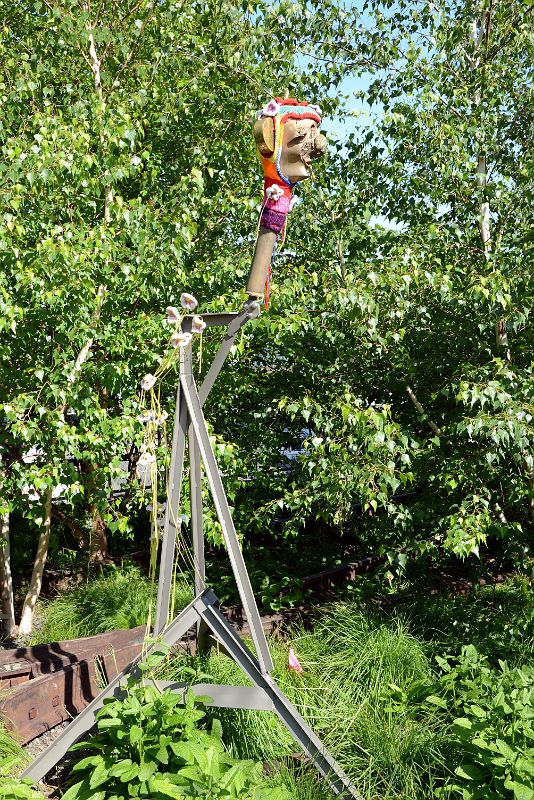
x: 116, y: 598
x: 128, y: 164
x: 149, y: 745
x: 15, y: 788
x: 498, y: 620
x: 349, y: 660
x: 494, y: 727
x: 9, y: 747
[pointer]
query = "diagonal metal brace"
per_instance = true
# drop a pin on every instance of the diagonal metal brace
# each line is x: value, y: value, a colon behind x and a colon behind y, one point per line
x: 223, y: 512
x: 286, y: 711
x: 46, y: 760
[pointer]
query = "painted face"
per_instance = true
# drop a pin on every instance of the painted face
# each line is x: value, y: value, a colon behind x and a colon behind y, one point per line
x: 288, y: 139
x: 301, y: 143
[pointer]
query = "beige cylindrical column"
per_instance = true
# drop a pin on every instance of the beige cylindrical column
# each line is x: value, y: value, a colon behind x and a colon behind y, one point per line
x: 260, y: 263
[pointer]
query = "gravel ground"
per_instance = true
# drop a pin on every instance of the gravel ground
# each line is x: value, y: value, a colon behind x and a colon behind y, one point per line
x: 41, y: 742
x: 58, y: 776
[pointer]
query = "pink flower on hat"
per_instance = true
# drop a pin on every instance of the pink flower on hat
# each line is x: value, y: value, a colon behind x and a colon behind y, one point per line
x: 271, y: 109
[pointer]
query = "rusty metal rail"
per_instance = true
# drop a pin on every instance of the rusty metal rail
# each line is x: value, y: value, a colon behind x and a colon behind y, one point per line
x: 47, y: 684
x: 50, y: 683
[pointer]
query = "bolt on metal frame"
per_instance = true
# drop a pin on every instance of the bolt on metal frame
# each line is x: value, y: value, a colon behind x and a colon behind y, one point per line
x: 202, y: 612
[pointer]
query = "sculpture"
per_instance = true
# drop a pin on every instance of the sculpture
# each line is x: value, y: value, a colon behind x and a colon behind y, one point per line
x: 287, y: 138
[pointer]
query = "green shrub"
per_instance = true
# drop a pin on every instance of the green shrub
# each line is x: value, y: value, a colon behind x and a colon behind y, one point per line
x: 349, y: 660
x: 117, y: 598
x: 498, y: 620
x: 493, y: 726
x: 149, y: 745
x: 15, y: 788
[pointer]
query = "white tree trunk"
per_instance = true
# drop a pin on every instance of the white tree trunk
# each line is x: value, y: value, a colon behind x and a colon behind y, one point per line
x: 483, y: 207
x: 413, y: 397
x: 6, y: 583
x: 28, y: 610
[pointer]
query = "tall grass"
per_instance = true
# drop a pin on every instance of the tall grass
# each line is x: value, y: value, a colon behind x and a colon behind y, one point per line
x: 349, y: 662
x: 117, y: 598
x: 9, y: 747
x: 497, y: 619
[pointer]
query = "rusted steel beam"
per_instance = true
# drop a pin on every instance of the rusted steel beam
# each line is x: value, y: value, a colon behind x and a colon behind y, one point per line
x: 51, y: 683
x: 58, y: 694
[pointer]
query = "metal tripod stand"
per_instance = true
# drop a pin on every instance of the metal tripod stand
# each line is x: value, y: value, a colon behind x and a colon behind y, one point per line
x: 203, y: 612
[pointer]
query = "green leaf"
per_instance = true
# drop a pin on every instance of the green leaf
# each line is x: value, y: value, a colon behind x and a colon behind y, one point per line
x: 470, y: 772
x: 136, y: 734
x: 521, y: 791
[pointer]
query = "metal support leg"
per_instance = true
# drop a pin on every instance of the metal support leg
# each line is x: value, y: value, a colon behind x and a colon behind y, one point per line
x: 84, y: 721
x: 202, y: 611
x: 197, y: 531
x: 223, y: 511
x: 265, y: 696
x: 166, y: 560
x: 286, y: 711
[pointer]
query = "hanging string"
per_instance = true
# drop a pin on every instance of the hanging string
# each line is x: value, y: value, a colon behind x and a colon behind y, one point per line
x: 154, y: 417
x: 269, y: 273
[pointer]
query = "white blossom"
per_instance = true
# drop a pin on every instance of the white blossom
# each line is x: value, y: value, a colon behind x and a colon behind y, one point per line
x: 145, y: 459
x: 188, y: 301
x: 148, y: 382
x: 180, y: 339
x: 274, y: 192
x: 173, y: 315
x: 197, y: 324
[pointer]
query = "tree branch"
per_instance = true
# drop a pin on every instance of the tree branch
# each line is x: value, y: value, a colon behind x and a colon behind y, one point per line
x: 432, y: 425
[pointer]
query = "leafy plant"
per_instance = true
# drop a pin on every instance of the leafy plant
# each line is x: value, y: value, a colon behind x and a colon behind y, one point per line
x: 494, y: 728
x: 15, y: 788
x: 498, y: 620
x: 9, y: 747
x: 150, y: 745
x: 348, y: 658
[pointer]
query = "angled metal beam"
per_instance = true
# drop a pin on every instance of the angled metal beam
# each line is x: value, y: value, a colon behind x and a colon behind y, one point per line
x: 46, y: 760
x: 248, y: 312
x: 223, y: 696
x: 286, y: 711
x: 172, y: 519
x: 225, y: 518
x: 197, y: 526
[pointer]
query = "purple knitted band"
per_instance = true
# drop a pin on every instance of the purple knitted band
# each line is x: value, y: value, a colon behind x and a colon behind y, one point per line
x: 274, y: 220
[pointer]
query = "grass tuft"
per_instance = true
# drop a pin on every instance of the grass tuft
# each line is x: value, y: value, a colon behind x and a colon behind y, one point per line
x: 10, y: 748
x: 117, y: 598
x: 349, y: 662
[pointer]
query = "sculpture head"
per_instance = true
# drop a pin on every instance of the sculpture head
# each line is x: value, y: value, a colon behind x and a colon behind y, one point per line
x: 287, y: 138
